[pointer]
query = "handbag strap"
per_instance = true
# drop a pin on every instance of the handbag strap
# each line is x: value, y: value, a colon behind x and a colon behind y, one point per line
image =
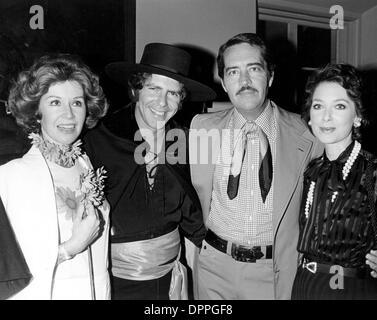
x: 371, y: 197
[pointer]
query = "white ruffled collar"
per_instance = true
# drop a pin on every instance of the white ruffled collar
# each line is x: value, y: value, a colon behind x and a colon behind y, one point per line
x: 63, y: 155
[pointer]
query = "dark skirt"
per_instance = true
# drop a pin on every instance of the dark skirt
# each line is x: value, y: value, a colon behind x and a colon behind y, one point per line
x: 322, y: 286
x: 156, y: 289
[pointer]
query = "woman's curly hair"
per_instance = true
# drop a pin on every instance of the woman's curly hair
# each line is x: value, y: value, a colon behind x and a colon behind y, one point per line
x: 346, y: 76
x: 31, y: 84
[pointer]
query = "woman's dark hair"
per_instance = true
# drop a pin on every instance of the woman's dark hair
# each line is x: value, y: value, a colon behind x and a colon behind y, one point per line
x: 26, y: 92
x: 346, y: 76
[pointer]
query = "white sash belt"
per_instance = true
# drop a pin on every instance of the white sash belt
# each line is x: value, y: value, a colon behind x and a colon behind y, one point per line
x: 145, y: 259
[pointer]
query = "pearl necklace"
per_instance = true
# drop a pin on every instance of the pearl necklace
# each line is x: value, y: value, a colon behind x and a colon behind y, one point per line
x: 346, y: 170
x: 351, y: 159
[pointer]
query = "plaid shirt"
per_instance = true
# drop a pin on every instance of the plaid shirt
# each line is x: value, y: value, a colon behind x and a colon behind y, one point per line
x: 245, y: 220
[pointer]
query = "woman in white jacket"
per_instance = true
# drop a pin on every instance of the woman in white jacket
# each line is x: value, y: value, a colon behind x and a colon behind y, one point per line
x: 52, y: 196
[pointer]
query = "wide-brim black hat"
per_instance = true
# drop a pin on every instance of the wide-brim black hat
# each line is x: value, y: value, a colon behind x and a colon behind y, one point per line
x: 166, y: 60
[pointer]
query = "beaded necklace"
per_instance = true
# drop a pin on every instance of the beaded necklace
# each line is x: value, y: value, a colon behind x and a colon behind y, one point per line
x: 346, y: 170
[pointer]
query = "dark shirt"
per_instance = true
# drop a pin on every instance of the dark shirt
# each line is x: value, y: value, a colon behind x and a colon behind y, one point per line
x: 340, y: 232
x: 138, y: 213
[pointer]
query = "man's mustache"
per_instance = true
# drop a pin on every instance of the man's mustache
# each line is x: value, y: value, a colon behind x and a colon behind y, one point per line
x: 246, y: 88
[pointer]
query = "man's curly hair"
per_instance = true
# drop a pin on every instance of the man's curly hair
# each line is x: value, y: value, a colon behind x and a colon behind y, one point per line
x: 136, y: 82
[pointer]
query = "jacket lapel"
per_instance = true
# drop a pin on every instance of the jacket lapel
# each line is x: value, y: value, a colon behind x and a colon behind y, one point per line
x: 40, y: 172
x: 292, y: 151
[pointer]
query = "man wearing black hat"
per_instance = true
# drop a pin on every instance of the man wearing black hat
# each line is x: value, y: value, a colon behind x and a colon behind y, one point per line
x: 152, y: 200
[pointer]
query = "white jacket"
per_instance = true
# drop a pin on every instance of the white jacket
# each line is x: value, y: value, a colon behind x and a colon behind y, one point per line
x: 27, y: 191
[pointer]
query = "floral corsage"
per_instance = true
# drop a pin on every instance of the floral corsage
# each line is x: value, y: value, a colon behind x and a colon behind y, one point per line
x: 92, y: 184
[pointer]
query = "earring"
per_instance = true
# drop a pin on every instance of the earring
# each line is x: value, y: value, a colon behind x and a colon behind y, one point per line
x: 309, y: 123
x: 357, y: 122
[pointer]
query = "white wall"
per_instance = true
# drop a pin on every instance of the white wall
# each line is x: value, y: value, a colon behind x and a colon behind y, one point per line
x: 368, y: 38
x: 202, y: 23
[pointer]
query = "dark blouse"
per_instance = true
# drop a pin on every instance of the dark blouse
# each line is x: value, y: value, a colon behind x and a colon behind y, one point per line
x: 138, y: 213
x: 338, y: 232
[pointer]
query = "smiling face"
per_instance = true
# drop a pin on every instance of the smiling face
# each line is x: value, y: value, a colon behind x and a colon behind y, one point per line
x: 332, y: 116
x: 159, y: 100
x: 246, y: 79
x: 63, y: 112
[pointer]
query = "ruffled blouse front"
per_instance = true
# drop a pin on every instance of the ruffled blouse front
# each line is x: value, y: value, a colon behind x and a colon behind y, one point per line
x: 340, y: 231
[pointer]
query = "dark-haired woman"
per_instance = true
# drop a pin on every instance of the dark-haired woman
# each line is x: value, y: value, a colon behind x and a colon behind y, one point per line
x: 337, y: 218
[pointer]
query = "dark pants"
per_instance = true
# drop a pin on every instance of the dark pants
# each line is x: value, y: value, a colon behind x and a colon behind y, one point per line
x: 157, y: 289
x: 320, y: 286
